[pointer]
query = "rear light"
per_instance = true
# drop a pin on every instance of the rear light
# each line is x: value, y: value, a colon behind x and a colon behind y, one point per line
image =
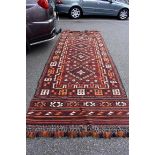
x: 43, y: 3
x: 59, y: 2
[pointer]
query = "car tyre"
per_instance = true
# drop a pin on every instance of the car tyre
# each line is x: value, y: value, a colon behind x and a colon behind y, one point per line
x: 123, y: 14
x: 75, y: 12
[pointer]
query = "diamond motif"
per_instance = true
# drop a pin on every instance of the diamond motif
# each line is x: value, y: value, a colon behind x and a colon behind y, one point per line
x: 81, y: 73
x: 81, y: 57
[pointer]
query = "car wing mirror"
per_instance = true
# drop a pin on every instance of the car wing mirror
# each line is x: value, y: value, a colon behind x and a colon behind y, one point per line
x: 43, y: 3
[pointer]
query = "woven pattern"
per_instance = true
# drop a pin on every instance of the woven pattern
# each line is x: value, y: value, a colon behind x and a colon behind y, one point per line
x: 79, y: 91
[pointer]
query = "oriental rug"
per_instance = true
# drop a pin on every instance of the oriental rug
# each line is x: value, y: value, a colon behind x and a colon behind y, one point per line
x: 80, y: 92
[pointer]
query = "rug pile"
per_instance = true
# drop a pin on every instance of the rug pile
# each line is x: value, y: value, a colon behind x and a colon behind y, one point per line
x: 80, y: 92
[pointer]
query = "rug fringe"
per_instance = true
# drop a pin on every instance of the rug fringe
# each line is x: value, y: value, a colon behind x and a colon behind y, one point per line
x: 99, y: 132
x: 75, y: 134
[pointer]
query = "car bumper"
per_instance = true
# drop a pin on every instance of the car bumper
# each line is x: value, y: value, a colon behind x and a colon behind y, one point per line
x: 45, y: 38
x: 50, y: 36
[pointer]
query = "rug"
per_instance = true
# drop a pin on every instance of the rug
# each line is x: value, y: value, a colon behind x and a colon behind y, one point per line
x: 80, y: 92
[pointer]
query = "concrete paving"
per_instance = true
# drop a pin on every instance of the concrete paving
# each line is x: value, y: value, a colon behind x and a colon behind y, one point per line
x: 115, y: 33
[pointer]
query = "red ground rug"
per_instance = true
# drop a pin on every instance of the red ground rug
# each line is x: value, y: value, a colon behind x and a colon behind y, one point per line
x: 80, y: 92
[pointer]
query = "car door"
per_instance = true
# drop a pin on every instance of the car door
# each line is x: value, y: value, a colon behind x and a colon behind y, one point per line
x: 104, y: 7
x: 89, y: 7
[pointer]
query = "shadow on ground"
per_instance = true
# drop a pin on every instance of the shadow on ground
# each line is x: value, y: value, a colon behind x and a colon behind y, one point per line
x: 90, y: 17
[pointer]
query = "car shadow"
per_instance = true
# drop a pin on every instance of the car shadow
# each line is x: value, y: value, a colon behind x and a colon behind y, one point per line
x: 37, y: 48
x: 89, y: 17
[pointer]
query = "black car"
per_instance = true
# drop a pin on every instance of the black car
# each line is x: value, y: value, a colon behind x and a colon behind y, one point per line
x: 40, y: 23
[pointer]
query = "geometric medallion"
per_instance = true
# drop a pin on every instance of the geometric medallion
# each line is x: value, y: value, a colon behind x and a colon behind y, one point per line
x: 80, y: 56
x: 81, y: 73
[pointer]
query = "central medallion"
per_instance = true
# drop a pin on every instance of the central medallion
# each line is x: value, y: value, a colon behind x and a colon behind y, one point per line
x: 81, y: 72
x: 81, y: 57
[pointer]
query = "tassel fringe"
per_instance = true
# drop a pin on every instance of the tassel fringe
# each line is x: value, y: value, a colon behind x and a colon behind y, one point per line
x: 77, y: 131
x: 74, y: 134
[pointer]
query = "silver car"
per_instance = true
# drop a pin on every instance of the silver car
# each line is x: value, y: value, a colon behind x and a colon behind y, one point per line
x: 76, y: 8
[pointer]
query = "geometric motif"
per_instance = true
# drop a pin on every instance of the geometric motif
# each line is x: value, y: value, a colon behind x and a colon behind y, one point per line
x: 80, y: 56
x: 81, y: 73
x: 79, y: 90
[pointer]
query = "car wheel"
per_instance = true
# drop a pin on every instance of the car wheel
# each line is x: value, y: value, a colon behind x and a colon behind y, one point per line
x: 123, y: 14
x: 75, y: 12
